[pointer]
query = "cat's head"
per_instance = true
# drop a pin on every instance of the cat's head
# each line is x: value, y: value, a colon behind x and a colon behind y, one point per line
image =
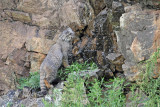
x: 67, y: 35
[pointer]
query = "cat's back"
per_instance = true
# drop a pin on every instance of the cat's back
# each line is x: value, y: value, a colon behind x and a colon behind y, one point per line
x: 54, y: 57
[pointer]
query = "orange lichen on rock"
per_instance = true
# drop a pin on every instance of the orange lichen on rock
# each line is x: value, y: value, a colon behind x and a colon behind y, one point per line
x: 136, y: 49
x: 156, y: 42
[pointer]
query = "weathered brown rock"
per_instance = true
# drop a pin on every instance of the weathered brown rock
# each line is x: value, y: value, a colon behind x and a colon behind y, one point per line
x: 136, y: 49
x: 16, y: 57
x: 4, y: 88
x: 55, y: 14
x: 7, y: 4
x: 97, y: 5
x: 7, y: 79
x: 36, y: 60
x: 75, y: 50
x: 39, y: 45
x: 16, y: 62
x: 32, y: 6
x: 136, y: 7
x: 20, y: 16
x: 100, y: 58
x: 116, y: 60
x: 84, y: 42
x: 93, y: 47
x: 13, y: 36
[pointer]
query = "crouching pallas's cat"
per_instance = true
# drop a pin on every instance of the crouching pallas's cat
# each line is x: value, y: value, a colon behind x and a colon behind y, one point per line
x: 57, y: 55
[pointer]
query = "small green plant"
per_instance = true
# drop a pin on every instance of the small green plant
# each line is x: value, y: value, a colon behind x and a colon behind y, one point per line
x: 74, y: 92
x: 56, y: 98
x: 9, y: 104
x: 148, y: 85
x: 114, y: 95
x: 76, y: 67
x: 31, y: 81
x: 95, y: 94
x: 22, y: 105
x: 47, y: 104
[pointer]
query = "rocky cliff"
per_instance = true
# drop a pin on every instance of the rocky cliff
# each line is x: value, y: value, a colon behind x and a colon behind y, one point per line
x: 116, y: 34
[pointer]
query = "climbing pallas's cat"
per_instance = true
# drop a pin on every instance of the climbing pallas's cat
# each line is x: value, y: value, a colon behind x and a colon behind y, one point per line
x: 57, y: 55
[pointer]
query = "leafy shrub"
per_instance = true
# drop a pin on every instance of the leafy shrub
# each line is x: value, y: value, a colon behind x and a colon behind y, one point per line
x: 31, y: 81
x: 47, y: 104
x: 114, y: 94
x: 95, y: 94
x: 149, y: 85
x: 74, y: 91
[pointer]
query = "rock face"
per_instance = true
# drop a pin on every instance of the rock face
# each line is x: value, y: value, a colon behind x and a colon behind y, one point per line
x: 54, y: 14
x: 28, y: 28
x: 138, y: 38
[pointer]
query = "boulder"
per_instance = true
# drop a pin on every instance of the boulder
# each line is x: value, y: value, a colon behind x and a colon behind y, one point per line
x: 89, y: 73
x: 138, y: 38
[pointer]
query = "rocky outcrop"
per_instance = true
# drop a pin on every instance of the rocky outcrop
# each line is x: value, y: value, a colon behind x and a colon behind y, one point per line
x: 27, y: 96
x: 54, y: 14
x: 28, y: 28
x: 138, y: 38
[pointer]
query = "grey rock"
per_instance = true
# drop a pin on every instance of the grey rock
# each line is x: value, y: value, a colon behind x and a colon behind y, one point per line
x: 1, y: 101
x: 30, y: 102
x: 113, y: 56
x: 133, y: 8
x: 115, y: 5
x: 26, y: 92
x: 18, y: 94
x: 7, y: 4
x: 136, y: 39
x: 89, y: 73
x: 140, y: 99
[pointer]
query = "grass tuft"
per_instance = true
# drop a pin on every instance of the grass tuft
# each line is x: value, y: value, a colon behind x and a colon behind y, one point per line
x: 32, y: 81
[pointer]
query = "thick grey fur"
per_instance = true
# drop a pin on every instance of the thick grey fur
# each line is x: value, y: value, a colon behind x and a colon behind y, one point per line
x: 57, y: 55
